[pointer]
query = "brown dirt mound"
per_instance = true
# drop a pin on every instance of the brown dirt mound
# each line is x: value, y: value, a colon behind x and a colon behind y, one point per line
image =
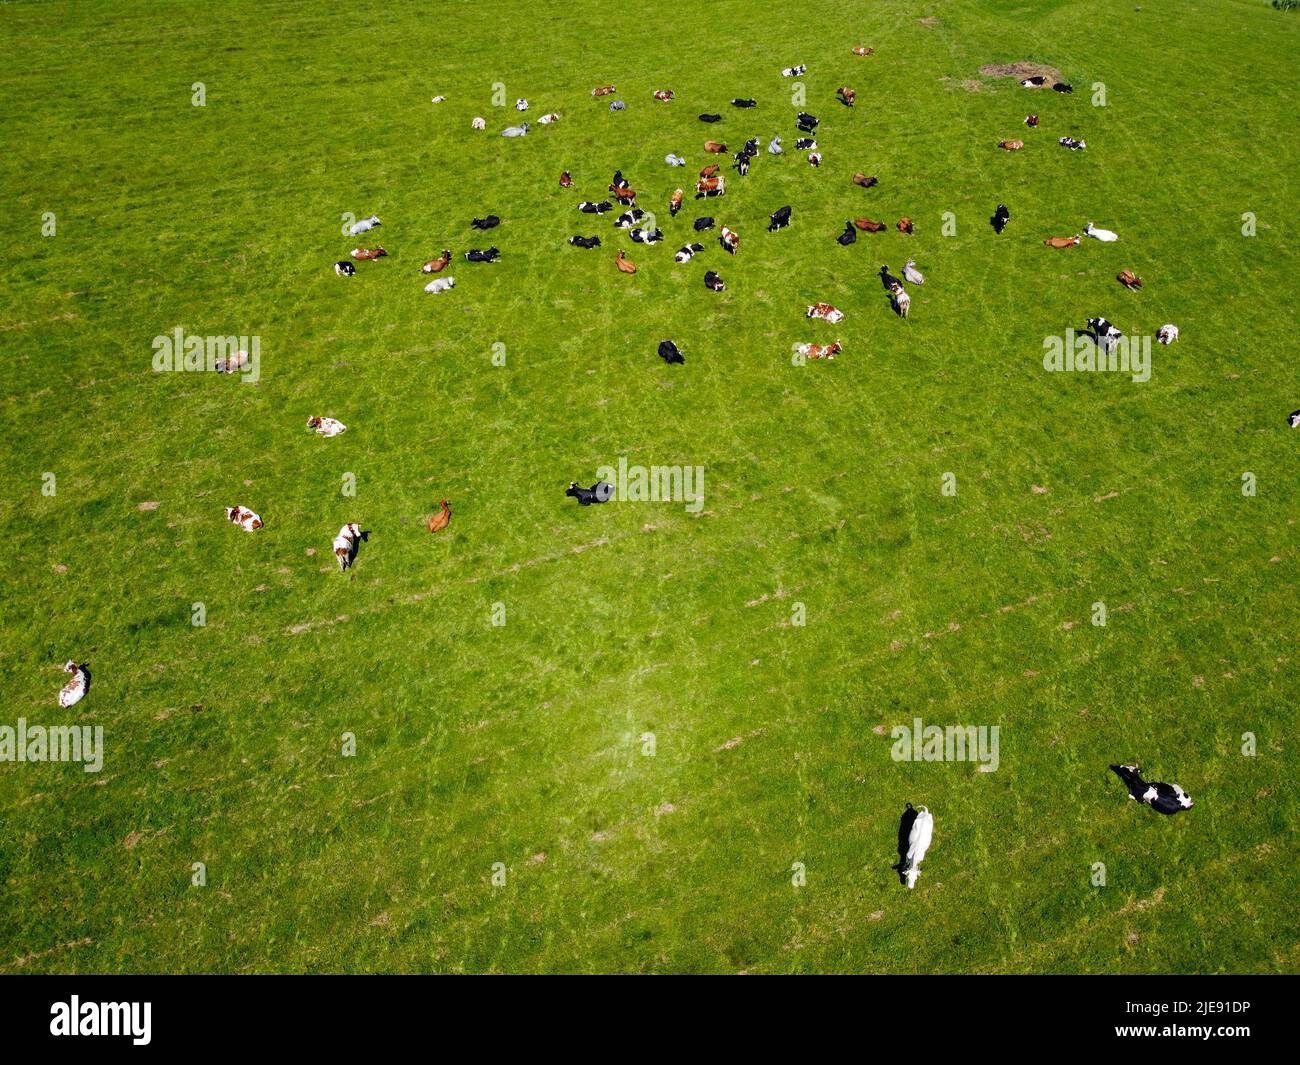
x: 1022, y: 70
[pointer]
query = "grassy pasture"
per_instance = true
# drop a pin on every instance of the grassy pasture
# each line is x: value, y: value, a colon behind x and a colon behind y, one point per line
x: 523, y: 744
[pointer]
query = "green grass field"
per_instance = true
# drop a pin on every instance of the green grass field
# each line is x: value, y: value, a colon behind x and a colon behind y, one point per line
x: 526, y: 743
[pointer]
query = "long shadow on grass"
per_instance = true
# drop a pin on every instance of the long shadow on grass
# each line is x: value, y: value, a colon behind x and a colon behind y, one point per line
x: 904, y: 832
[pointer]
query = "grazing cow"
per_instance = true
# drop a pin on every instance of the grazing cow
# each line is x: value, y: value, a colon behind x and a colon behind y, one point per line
x: 743, y: 103
x: 604, y: 90
x: 863, y: 51
x: 600, y: 492
x: 624, y: 263
x: 774, y: 147
x: 901, y: 300
x: 778, y: 219
x: 1103, y: 235
x: 713, y: 281
x: 675, y: 203
x: 1062, y: 242
x: 742, y: 163
x: 1103, y: 333
x: 819, y: 351
x: 806, y: 144
x: 849, y: 236
x: 669, y: 353
x: 846, y: 95
x: 826, y: 313
x: 1166, y: 798
x: 478, y: 123
x: 673, y: 159
x: 868, y: 226
x: 794, y: 72
x: 710, y: 187
x: 326, y: 426
x: 344, y: 269
x: 1000, y: 218
x: 588, y: 207
x: 806, y: 122
x: 490, y: 222
x: 629, y: 218
x: 688, y: 252
x: 1129, y: 280
x: 75, y: 690
x: 244, y: 518
x: 1167, y: 334
x: 521, y: 105
x: 701, y: 224
x: 814, y: 158
x: 585, y: 242
x: 918, y: 842
x: 1063, y: 86
x: 1011, y: 146
x: 710, y: 170
x: 440, y: 284
x: 646, y: 236
x: 346, y: 543
x: 729, y: 240
x: 710, y: 118
x: 566, y: 182
x: 864, y: 181
x: 1293, y: 419
x: 716, y: 147
x: 911, y: 274
x: 1072, y: 144
x: 437, y: 522
x: 515, y: 131
x: 364, y: 226
x: 1031, y: 120
x: 663, y: 94
x: 232, y: 363
x: 888, y: 281
x: 477, y: 256
x: 626, y: 197
x: 365, y: 255
x: 436, y: 266
x: 905, y: 225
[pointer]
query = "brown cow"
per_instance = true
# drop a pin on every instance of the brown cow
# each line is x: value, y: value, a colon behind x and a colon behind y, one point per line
x: 868, y: 225
x: 604, y: 90
x: 368, y: 254
x: 1062, y: 242
x: 1011, y: 146
x: 863, y: 51
x: 846, y: 95
x: 434, y: 266
x: 1129, y: 279
x: 438, y: 522
x: 710, y: 184
x: 624, y: 264
x: 715, y: 147
x: 566, y: 182
x: 864, y: 181
x: 624, y: 196
x: 905, y: 225
x: 710, y: 170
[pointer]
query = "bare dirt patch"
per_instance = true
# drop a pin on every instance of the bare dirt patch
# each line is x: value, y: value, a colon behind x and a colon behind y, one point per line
x: 1022, y: 70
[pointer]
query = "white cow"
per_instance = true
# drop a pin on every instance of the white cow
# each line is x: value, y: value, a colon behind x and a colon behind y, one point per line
x: 918, y: 842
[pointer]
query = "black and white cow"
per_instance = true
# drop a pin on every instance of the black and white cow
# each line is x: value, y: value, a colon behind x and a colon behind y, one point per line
x: 778, y: 219
x: 1167, y: 798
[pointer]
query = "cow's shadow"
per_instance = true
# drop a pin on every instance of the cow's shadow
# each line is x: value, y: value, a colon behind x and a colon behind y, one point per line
x: 904, y: 832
